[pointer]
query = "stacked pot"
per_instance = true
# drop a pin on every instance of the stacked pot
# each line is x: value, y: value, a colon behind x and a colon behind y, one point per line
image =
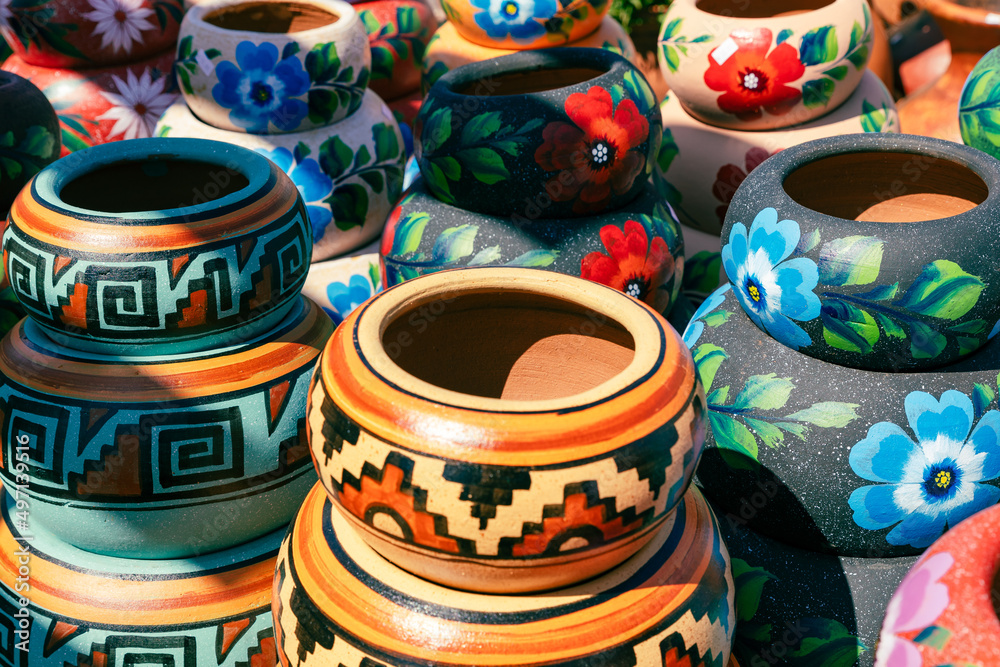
x: 290, y: 81
x: 153, y: 404
x: 851, y: 384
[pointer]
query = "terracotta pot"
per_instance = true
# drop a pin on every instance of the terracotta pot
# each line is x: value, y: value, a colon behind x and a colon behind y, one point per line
x: 945, y: 611
x: 524, y: 483
x: 157, y: 246
x: 637, y: 249
x: 448, y: 49
x: 349, y: 174
x: 702, y: 165
x: 525, y: 24
x: 762, y: 67
x: 337, y: 602
x: 341, y: 285
x: 272, y: 67
x: 160, y: 457
x: 398, y: 32
x: 77, y: 608
x: 979, y: 103
x: 849, y: 461
x: 97, y: 106
x: 80, y: 34
x: 29, y: 135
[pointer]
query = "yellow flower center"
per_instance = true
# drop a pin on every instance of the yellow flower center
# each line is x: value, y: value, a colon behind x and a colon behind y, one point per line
x: 754, y: 293
x: 943, y: 479
x: 510, y: 9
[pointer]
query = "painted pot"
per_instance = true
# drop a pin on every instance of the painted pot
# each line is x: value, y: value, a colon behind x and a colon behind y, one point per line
x: 836, y: 459
x: 398, y: 32
x: 980, y: 100
x: 336, y: 602
x: 349, y: 174
x: 525, y: 24
x: 85, y: 609
x: 157, y: 246
x: 97, y: 106
x: 865, y: 270
x: 578, y: 126
x: 448, y: 50
x: 703, y: 165
x: 763, y: 67
x: 272, y: 67
x: 341, y: 285
x: 524, y: 484
x: 637, y: 249
x: 944, y: 612
x: 796, y: 608
x: 82, y: 34
x: 29, y: 135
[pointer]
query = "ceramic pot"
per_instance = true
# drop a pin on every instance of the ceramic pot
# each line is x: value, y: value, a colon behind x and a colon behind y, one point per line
x: 97, y: 106
x: 157, y: 246
x: 865, y: 270
x: 539, y: 123
x: 754, y: 67
x: 525, y: 24
x: 336, y: 602
x: 945, y: 611
x: 350, y: 174
x: 448, y: 50
x: 82, y: 34
x: 797, y: 607
x: 78, y: 608
x: 398, y: 32
x: 836, y: 459
x: 703, y: 165
x: 341, y: 285
x: 29, y: 135
x: 977, y: 105
x: 636, y: 249
x: 272, y: 67
x: 523, y: 483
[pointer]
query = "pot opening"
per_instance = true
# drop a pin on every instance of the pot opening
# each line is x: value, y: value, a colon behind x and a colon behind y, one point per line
x: 273, y: 17
x: 880, y: 186
x: 151, y: 185
x: 512, y: 345
x: 532, y: 81
x: 760, y: 10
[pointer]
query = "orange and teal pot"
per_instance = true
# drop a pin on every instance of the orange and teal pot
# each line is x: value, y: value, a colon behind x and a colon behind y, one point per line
x: 525, y: 24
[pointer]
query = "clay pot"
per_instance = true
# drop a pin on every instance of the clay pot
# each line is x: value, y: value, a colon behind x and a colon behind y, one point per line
x: 272, y: 67
x: 140, y: 457
x: 97, y: 106
x: 865, y: 271
x: 756, y: 67
x: 539, y: 123
x: 349, y: 174
x: 528, y: 478
x: 29, y: 135
x: 82, y: 34
x: 836, y: 459
x: 945, y: 611
x: 336, y: 602
x: 978, y: 104
x: 341, y: 285
x: 398, y: 32
x: 703, y: 165
x: 524, y: 24
x: 448, y: 49
x: 637, y: 249
x: 83, y: 609
x: 157, y: 246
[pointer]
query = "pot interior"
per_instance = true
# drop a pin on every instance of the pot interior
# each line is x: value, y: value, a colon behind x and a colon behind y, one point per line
x: 273, y: 17
x: 760, y: 9
x: 880, y: 186
x: 511, y: 345
x: 151, y: 185
x: 529, y: 81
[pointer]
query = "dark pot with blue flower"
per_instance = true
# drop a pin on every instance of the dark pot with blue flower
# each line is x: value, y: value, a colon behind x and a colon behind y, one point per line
x: 525, y: 24
x: 271, y: 67
x: 29, y: 135
x: 571, y: 132
x: 873, y: 251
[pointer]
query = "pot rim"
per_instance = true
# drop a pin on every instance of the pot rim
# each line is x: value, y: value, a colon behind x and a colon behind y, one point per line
x: 691, y: 7
x: 345, y: 13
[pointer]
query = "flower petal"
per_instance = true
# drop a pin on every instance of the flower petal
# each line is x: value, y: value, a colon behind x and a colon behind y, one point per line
x: 920, y: 598
x: 734, y: 253
x: 874, y: 507
x: 883, y: 456
x: 590, y: 108
x: 777, y: 238
x: 917, y: 530
x: 797, y: 278
x: 985, y: 440
x: 930, y: 419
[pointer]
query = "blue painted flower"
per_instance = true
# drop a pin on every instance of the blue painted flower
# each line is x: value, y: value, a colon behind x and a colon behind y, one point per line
x: 345, y: 298
x: 313, y: 184
x: 696, y: 326
x: 523, y: 20
x: 772, y: 291
x: 929, y: 485
x: 260, y: 89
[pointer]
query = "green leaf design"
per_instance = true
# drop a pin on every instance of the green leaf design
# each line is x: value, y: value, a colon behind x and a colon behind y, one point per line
x: 349, y: 205
x: 485, y: 164
x: 184, y: 47
x: 450, y: 167
x: 335, y: 157
x: 749, y: 581
x: 826, y: 643
x: 535, y: 259
x: 925, y: 342
x: 437, y: 130
x: 890, y: 326
x: 784, y: 35
x: 837, y: 73
x: 770, y: 434
x: 383, y: 63
x: 375, y: 276
x: 874, y: 119
x: 670, y: 57
x: 707, y: 359
x: 857, y: 48
x: 847, y: 327
x: 486, y: 256
x: 716, y: 318
x: 817, y: 92
x: 387, y: 147
x: 852, y: 260
x: 668, y: 151
x: 701, y: 274
x: 818, y: 46
x: 11, y: 167
x: 807, y: 242
x: 409, y: 233
x: 982, y: 398
x: 942, y: 290
x: 323, y: 62
x: 733, y: 436
x: 454, y: 243
x: 480, y: 127
x: 438, y: 182
x: 638, y: 88
x: 764, y: 392
x: 827, y: 414
x: 670, y: 29
x: 368, y: 20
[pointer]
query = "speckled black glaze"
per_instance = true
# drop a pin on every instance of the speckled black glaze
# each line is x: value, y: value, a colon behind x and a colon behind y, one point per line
x: 29, y: 135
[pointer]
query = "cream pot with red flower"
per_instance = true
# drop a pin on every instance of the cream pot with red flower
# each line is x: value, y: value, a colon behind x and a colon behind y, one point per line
x: 758, y: 66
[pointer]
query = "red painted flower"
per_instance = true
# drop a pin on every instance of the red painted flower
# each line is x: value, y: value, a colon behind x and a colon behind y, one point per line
x: 633, y: 264
x: 730, y: 176
x: 596, y: 156
x: 750, y: 78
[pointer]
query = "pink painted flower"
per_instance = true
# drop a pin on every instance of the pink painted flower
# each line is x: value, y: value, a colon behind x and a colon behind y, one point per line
x: 915, y: 605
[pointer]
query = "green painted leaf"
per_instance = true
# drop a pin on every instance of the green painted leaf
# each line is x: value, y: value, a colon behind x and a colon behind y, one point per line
x: 718, y: 396
x: 638, y: 87
x: 817, y: 92
x: 212, y: 53
x: 323, y: 62
x: 368, y: 20
x: 349, y: 205
x: 784, y: 35
x: 942, y: 290
x: 881, y: 292
x: 374, y: 180
x: 7, y: 139
x: 701, y: 273
x: 486, y: 256
x: 361, y: 157
x: 982, y: 397
x: 450, y: 166
x: 749, y: 582
x: 827, y: 414
x: 485, y: 164
x: 408, y: 21
x: 800, y: 431
x: 717, y: 318
x: 847, y: 327
x: 873, y: 119
x: 972, y: 327
x: 707, y: 359
x: 184, y: 47
x: 437, y: 130
x: 11, y: 167
x: 72, y: 142
x: 438, y: 182
x: 807, y: 242
x: 535, y: 258
x: 733, y: 436
x: 409, y: 232
x: 857, y: 48
x: 764, y: 392
x: 671, y: 58
x: 926, y: 342
x: 670, y: 29
x: 826, y: 643
x: 668, y: 151
x: 290, y: 49
x: 852, y: 260
x: 480, y: 127
x: 454, y: 243
x: 164, y: 131
x: 375, y: 276
x: 818, y: 46
x: 323, y: 103
x: 387, y: 146
x: 770, y: 434
x: 383, y: 63
x: 335, y: 157
x: 837, y: 73
x: 890, y: 326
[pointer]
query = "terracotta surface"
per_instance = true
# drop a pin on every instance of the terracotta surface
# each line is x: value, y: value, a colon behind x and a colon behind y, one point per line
x: 398, y: 32
x: 525, y: 24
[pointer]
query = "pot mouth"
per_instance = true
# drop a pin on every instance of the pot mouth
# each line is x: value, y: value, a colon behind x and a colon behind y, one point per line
x: 760, y: 10
x: 271, y: 17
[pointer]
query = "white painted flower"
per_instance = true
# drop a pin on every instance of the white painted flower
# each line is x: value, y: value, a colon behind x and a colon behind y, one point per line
x: 120, y: 23
x: 138, y: 104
